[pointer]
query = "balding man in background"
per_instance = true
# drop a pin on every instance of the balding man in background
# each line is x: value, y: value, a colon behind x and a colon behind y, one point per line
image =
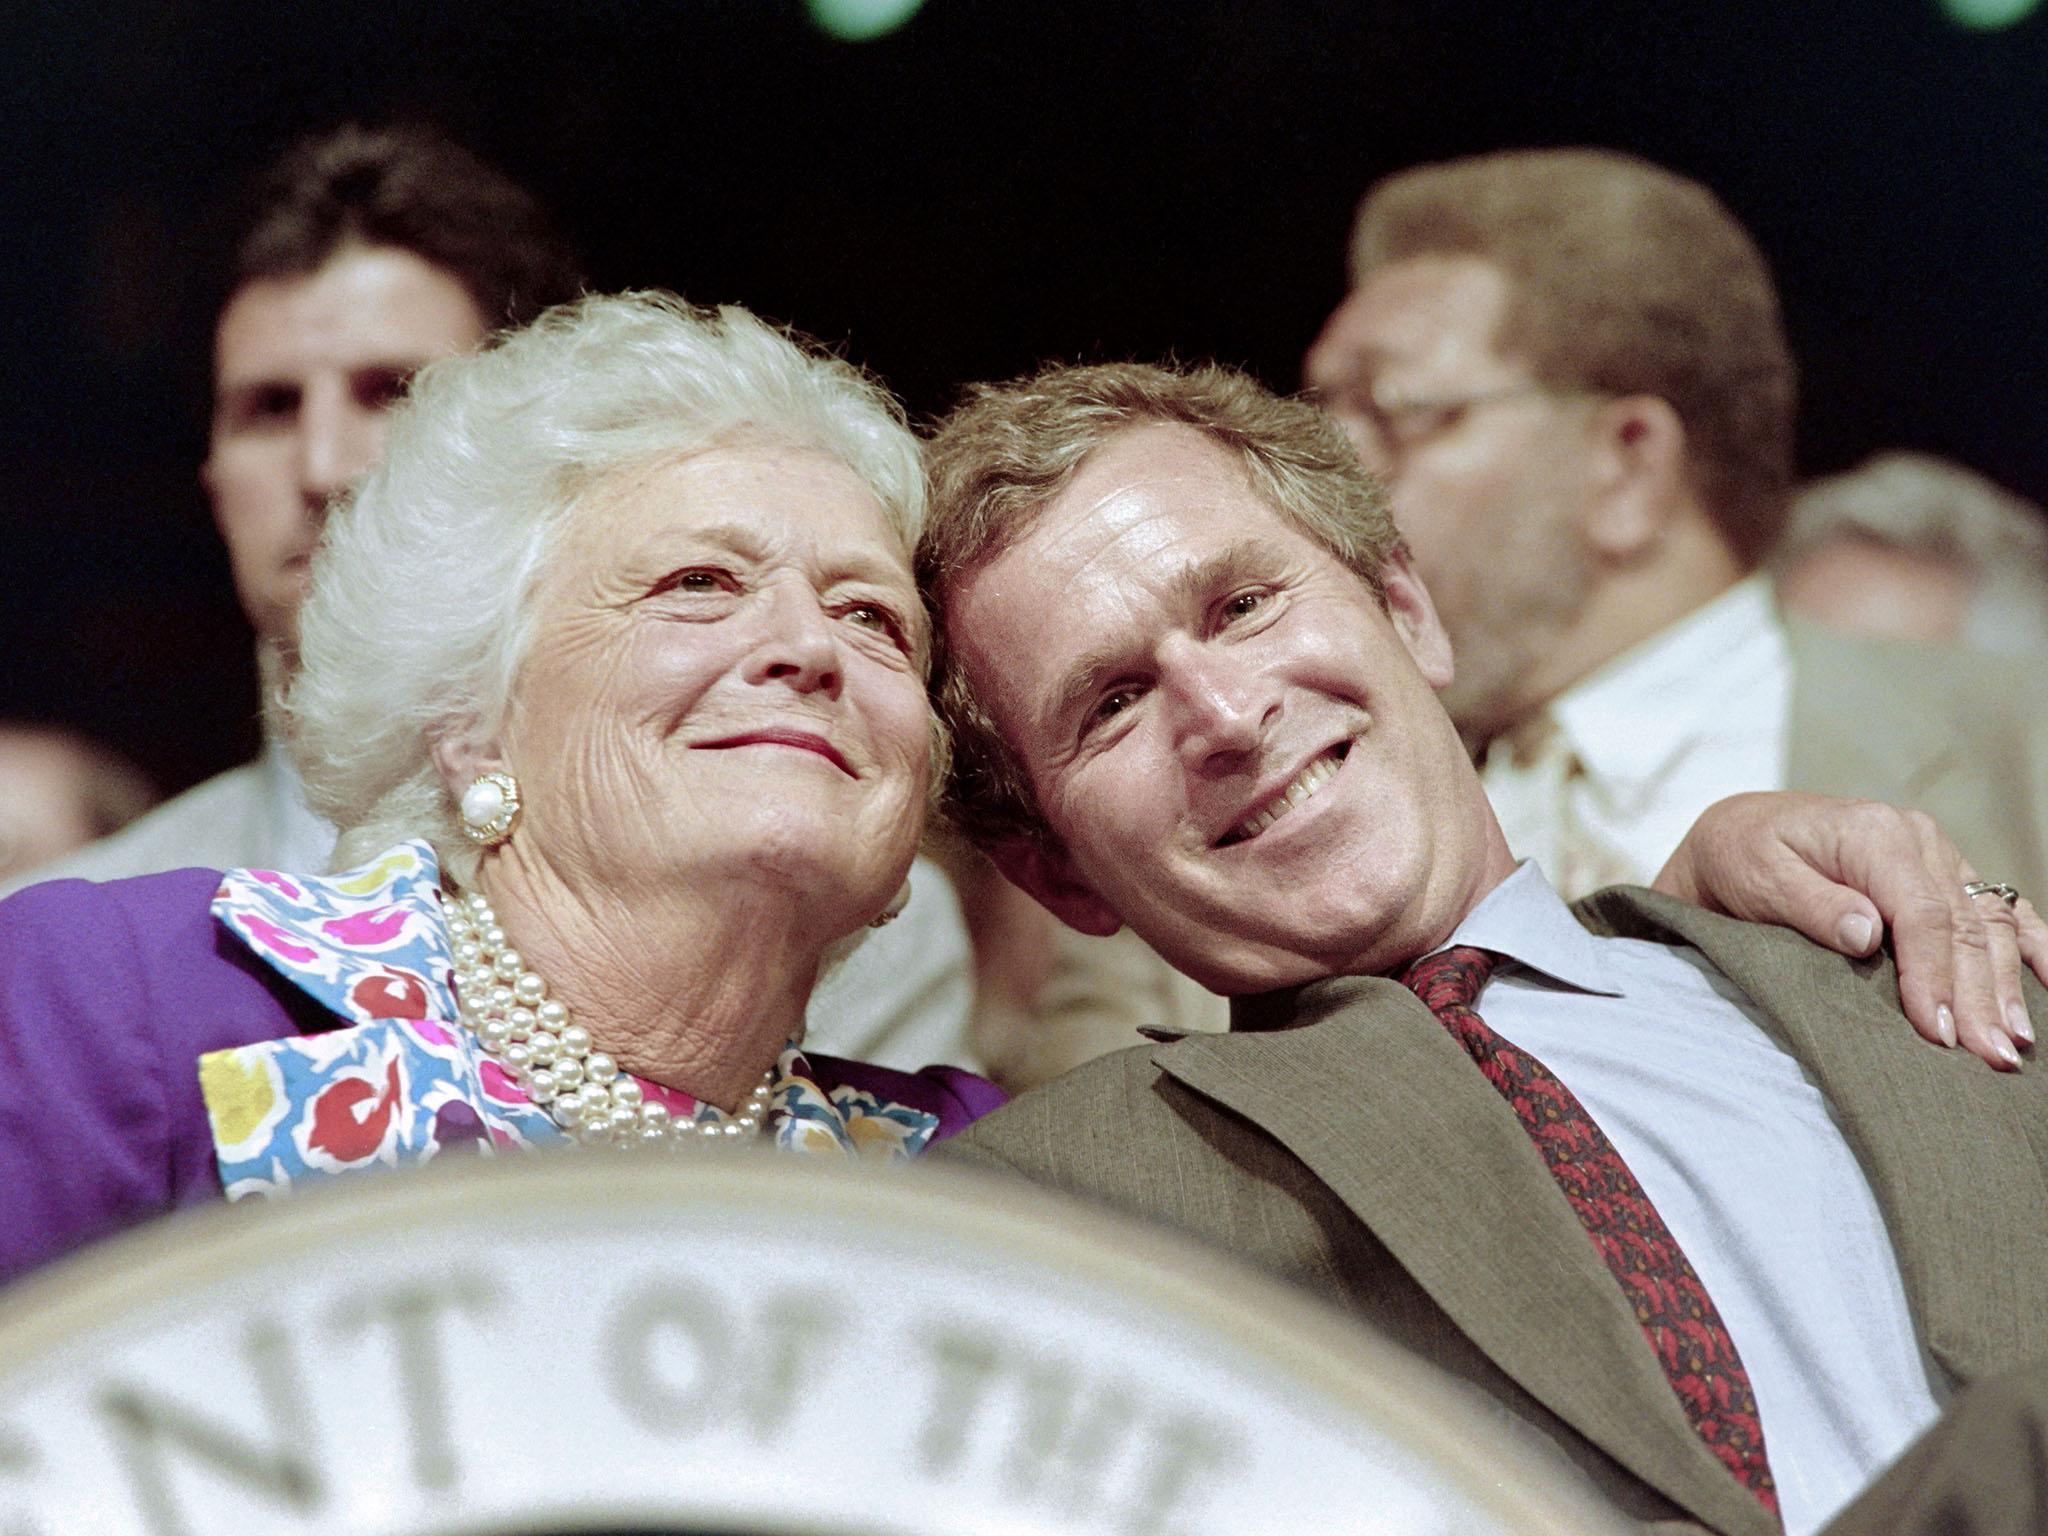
x: 1909, y: 546
x: 1570, y: 367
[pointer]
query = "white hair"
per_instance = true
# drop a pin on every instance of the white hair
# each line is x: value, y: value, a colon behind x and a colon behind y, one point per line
x: 418, y: 616
x: 1920, y: 504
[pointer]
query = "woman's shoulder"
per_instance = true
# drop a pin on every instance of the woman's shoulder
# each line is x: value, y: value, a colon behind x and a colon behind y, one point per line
x: 111, y: 992
x: 143, y: 956
x: 76, y: 919
x: 958, y: 1097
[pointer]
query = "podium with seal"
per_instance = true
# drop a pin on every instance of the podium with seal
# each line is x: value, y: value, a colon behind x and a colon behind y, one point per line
x: 739, y: 1343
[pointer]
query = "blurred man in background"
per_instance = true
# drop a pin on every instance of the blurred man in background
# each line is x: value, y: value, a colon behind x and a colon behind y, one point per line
x: 1570, y: 367
x: 364, y: 254
x: 59, y: 791
x: 1908, y: 546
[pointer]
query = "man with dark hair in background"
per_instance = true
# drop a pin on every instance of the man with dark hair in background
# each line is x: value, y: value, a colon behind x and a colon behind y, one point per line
x: 363, y: 255
x: 1570, y: 368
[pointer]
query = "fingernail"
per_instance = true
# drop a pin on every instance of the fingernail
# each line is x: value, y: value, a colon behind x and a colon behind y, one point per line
x: 2017, y: 1021
x: 1854, y: 932
x: 2005, y: 1051
x: 1945, y: 1024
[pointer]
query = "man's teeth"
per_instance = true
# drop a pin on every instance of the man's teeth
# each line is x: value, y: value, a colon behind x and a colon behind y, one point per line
x: 1306, y: 783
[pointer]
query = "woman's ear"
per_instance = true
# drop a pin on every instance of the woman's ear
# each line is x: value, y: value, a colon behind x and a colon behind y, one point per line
x: 1048, y: 876
x: 459, y: 756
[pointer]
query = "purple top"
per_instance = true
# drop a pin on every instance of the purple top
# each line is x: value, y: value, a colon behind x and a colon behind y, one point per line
x: 110, y: 993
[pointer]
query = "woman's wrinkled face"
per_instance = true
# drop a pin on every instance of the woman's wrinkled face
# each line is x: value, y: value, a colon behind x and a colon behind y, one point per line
x: 725, y: 684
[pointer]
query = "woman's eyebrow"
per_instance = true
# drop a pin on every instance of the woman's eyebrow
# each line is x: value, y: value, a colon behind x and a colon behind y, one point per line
x: 746, y: 541
x: 891, y: 575
x: 736, y: 538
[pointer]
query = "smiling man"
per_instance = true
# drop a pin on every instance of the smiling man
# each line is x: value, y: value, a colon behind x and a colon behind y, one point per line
x: 1192, y: 678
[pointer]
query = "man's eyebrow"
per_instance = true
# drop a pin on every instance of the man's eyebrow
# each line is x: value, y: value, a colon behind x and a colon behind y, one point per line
x: 1357, y: 368
x: 254, y: 384
x: 1354, y: 374
x: 1237, y: 561
x: 1079, y: 683
x: 1190, y: 587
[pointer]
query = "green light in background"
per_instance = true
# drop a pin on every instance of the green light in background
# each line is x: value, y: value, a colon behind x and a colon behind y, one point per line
x: 859, y: 21
x: 1988, y: 15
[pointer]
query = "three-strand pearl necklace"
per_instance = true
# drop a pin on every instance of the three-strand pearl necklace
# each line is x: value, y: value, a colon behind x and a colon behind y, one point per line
x: 506, y: 1005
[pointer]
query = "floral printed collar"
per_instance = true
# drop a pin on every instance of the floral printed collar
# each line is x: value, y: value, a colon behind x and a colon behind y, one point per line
x: 399, y: 1079
x: 365, y: 944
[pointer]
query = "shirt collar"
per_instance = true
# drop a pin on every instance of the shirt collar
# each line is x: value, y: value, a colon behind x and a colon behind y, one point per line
x: 1522, y: 918
x: 299, y: 838
x: 1525, y: 920
x: 1633, y: 718
x: 367, y: 943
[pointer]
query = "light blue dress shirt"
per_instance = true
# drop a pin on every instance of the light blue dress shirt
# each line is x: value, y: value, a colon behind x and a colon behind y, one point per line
x: 1742, y: 1157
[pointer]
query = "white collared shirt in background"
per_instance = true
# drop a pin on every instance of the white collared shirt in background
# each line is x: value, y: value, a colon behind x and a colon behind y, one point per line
x: 1603, y: 788
x: 1743, y: 1159
x: 303, y: 839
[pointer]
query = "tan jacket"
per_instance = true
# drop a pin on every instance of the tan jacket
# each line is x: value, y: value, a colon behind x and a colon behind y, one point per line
x: 1356, y: 1151
x: 1959, y: 735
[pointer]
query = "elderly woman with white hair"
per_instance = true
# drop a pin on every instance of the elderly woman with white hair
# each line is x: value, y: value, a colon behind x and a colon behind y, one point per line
x: 614, y: 675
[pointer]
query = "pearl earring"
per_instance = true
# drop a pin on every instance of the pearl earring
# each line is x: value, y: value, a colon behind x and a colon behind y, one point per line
x: 489, y: 808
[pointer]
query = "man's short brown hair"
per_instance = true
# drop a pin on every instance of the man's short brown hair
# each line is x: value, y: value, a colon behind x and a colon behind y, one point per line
x: 1011, y: 449
x: 411, y: 187
x: 1624, y: 278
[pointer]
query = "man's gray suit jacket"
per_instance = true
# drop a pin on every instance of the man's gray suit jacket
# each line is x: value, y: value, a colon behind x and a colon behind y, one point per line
x: 1339, y: 1137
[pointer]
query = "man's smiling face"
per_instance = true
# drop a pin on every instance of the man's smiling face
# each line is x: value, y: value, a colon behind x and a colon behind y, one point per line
x: 1238, y: 749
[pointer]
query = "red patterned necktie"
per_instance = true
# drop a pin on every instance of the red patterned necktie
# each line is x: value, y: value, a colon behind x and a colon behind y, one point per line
x: 1677, y: 1316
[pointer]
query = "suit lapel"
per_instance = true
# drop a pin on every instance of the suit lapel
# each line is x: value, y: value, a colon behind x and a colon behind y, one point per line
x: 1940, y: 1136
x: 1381, y: 1104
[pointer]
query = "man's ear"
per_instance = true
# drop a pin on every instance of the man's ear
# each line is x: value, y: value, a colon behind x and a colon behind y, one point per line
x: 1637, y: 477
x: 1048, y: 876
x: 1413, y: 613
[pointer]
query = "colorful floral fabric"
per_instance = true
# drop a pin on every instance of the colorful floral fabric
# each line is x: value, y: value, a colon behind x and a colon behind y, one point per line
x: 401, y: 1080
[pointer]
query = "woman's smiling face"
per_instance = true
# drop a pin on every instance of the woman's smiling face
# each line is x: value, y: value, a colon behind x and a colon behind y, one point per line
x: 725, y: 682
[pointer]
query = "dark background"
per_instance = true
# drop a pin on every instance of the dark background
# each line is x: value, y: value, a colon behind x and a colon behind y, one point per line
x: 995, y: 184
